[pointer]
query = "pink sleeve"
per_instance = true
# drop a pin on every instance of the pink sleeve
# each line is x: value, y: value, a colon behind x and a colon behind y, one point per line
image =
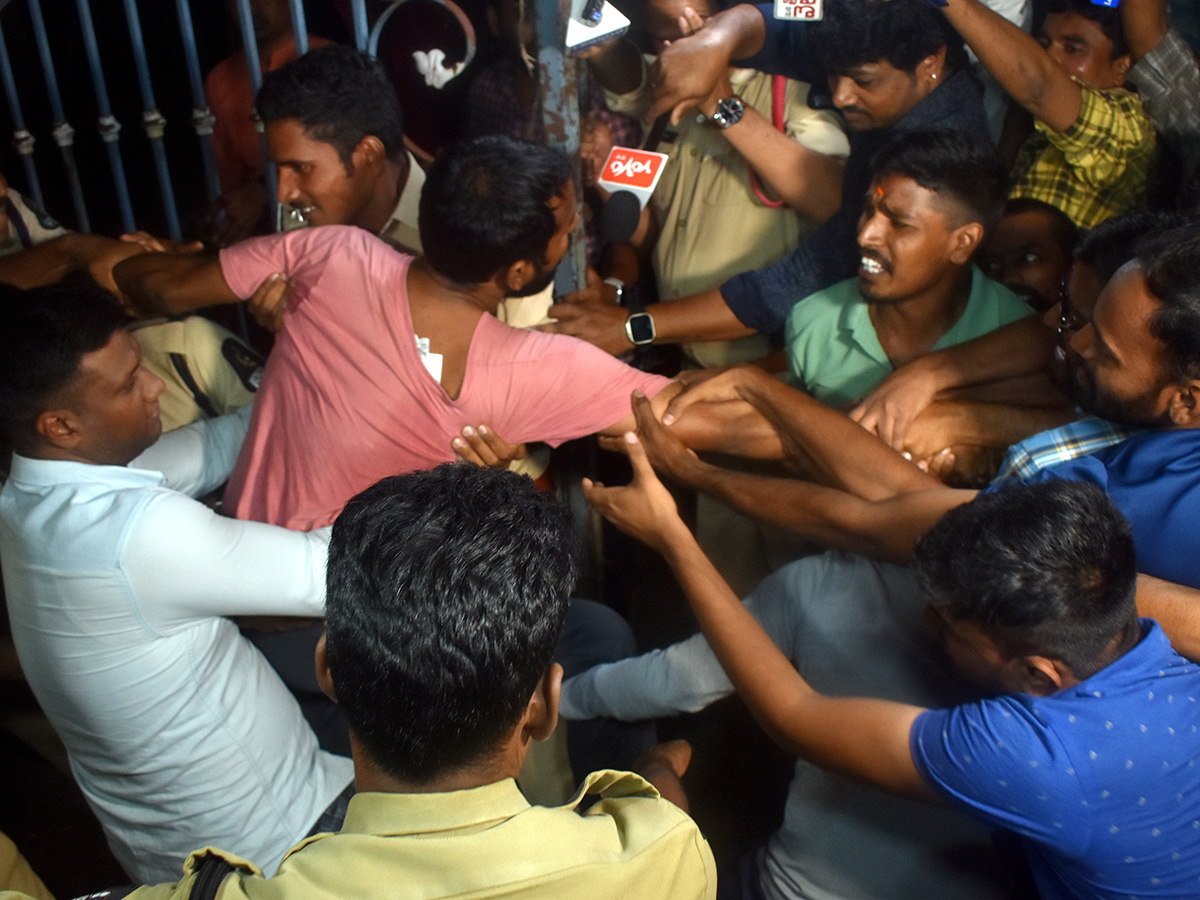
x: 573, y: 389
x: 302, y: 254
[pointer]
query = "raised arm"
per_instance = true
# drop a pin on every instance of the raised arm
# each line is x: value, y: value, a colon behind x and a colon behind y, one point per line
x: 692, y: 67
x: 861, y: 738
x: 157, y: 283
x: 1145, y: 24
x: 1018, y: 62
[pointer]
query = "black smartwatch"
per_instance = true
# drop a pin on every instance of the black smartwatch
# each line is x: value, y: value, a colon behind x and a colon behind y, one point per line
x: 729, y: 112
x: 639, y: 328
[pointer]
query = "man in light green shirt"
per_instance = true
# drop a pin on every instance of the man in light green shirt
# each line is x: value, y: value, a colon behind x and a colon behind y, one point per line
x: 933, y: 197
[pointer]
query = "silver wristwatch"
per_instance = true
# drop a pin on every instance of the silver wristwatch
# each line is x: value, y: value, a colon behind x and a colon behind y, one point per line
x: 728, y: 112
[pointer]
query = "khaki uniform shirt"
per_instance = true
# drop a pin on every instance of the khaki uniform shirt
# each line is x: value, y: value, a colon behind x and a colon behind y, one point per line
x: 488, y: 842
x: 401, y: 229
x: 712, y: 225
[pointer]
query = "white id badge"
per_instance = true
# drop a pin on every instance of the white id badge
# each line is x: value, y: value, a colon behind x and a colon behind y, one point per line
x: 799, y: 10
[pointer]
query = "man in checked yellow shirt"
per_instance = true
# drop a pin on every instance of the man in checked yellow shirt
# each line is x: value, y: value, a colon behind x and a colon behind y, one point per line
x: 1093, y: 142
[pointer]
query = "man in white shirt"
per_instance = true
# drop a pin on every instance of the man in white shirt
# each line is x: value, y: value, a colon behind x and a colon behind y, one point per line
x: 178, y: 731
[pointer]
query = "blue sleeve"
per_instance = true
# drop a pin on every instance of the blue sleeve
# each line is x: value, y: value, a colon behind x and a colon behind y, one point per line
x: 996, y: 761
x: 762, y: 299
x: 785, y: 50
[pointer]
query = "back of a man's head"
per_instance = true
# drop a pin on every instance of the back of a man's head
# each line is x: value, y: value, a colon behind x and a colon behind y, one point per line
x: 1171, y: 263
x: 1116, y: 241
x: 964, y: 172
x: 47, y: 331
x: 1043, y: 569
x: 339, y: 95
x: 899, y: 32
x: 447, y: 591
x: 484, y: 206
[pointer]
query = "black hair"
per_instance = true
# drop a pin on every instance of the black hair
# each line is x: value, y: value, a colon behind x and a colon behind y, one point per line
x: 47, y: 331
x: 1062, y: 229
x: 949, y: 163
x: 447, y: 591
x: 1116, y: 241
x: 340, y: 96
x: 1171, y: 264
x: 901, y: 32
x: 1046, y: 569
x: 484, y: 206
x: 1107, y: 17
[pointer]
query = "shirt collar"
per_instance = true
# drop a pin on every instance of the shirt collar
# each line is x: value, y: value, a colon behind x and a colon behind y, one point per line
x: 409, y: 204
x: 51, y: 472
x: 396, y: 814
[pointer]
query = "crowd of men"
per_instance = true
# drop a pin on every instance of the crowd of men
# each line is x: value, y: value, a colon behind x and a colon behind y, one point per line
x: 963, y: 452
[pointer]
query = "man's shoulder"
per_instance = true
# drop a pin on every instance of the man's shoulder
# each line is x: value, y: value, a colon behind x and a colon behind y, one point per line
x: 957, y: 104
x: 630, y: 844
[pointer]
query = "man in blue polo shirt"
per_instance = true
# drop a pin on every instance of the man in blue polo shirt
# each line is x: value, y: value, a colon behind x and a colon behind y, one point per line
x: 1086, y: 749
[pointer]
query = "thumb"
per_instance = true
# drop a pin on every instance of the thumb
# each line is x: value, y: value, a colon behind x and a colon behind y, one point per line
x: 642, y: 470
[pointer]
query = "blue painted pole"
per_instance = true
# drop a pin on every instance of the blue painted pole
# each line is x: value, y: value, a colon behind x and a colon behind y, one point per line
x: 202, y: 117
x: 64, y: 134
x: 558, y: 85
x: 109, y: 127
x: 361, y: 31
x: 22, y: 139
x: 152, y: 120
x: 299, y: 26
x: 246, y: 21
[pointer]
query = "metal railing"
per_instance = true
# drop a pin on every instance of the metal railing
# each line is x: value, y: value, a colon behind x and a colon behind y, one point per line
x: 24, y: 98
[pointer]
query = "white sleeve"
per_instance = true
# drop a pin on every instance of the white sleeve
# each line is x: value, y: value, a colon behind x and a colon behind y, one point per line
x: 684, y: 677
x: 198, y: 457
x: 183, y: 561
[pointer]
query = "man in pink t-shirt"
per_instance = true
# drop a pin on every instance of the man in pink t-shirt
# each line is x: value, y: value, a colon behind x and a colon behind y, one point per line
x: 383, y: 357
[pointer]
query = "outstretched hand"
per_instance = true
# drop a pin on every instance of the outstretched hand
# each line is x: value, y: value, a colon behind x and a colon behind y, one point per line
x: 665, y: 451
x: 643, y: 509
x: 716, y: 385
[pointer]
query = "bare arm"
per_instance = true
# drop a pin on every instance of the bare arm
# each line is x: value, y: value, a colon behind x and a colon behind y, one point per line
x: 53, y: 260
x: 820, y: 441
x: 1145, y: 25
x: 1176, y: 608
x: 690, y: 68
x: 945, y: 423
x: 805, y: 180
x: 734, y: 426
x: 861, y: 738
x: 701, y: 317
x: 1020, y: 348
x: 1021, y: 65
x: 159, y: 283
